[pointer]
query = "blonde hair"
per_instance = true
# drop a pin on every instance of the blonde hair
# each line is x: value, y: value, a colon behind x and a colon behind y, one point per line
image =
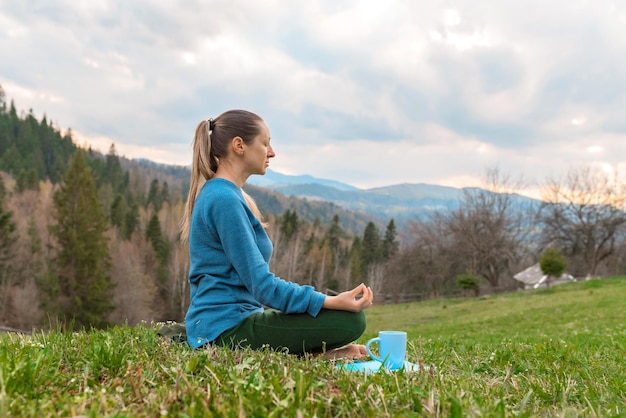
x: 210, y: 143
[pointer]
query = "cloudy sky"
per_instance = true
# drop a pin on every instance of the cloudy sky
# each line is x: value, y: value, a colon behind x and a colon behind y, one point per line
x: 370, y: 93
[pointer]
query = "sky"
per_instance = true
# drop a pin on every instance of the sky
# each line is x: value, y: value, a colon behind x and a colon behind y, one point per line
x: 369, y: 93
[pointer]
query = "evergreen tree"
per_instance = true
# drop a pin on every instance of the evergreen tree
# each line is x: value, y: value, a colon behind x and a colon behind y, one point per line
x: 333, y: 234
x: 11, y: 160
x: 156, y: 238
x: 34, y: 240
x: 165, y: 193
x: 30, y: 150
x: 289, y: 224
x: 113, y: 172
x: 7, y: 233
x: 356, y: 267
x: 7, y: 229
x: 83, y: 259
x: 131, y: 221
x: 162, y: 251
x: 118, y: 211
x: 390, y: 245
x: 161, y: 247
x: 7, y: 247
x: 26, y: 139
x: 154, y: 195
x: 27, y: 180
x: 3, y: 190
x: 371, y: 249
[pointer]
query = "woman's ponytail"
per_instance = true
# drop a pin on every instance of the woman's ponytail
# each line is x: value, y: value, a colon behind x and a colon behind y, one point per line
x: 203, y: 167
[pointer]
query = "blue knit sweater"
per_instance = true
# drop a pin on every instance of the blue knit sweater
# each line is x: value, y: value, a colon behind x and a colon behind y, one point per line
x: 229, y: 274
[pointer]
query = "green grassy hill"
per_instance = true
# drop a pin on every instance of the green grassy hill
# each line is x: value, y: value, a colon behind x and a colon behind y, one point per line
x: 555, y: 352
x: 573, y: 310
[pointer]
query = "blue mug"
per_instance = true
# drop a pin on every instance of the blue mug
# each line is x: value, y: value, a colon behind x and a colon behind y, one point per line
x: 391, y: 347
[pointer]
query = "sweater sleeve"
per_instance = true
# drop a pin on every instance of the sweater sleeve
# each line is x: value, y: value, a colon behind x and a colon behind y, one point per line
x: 235, y: 226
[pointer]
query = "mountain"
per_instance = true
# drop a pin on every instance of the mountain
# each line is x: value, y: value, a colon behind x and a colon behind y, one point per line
x: 402, y: 202
x: 273, y: 179
x: 399, y: 202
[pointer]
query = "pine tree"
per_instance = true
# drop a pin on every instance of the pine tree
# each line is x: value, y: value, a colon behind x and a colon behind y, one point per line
x: 113, y: 172
x: 27, y: 180
x: 3, y: 190
x: 165, y: 193
x: 131, y: 221
x: 83, y: 259
x: 156, y: 238
x: 162, y: 250
x: 154, y: 195
x: 7, y: 230
x: 371, y: 249
x: 390, y: 245
x: 7, y: 247
x: 289, y: 224
x: 118, y: 211
x: 333, y: 234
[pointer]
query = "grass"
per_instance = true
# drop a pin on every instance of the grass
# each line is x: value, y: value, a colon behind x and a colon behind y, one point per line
x: 554, y: 352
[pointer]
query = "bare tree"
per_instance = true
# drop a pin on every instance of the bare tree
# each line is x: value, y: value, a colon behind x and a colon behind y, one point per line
x: 134, y: 291
x: 288, y: 249
x: 584, y: 215
x: 376, y: 279
x: 317, y: 261
x: 179, y: 286
x: 425, y: 263
x: 28, y: 264
x: 489, y: 227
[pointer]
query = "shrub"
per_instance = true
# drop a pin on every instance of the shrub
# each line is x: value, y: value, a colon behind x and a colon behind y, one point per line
x: 468, y: 282
x: 552, y: 263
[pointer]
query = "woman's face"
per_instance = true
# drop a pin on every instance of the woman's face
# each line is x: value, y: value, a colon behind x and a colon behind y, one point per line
x: 257, y: 155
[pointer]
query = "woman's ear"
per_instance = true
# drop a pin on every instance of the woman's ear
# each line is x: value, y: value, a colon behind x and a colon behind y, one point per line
x: 238, y: 145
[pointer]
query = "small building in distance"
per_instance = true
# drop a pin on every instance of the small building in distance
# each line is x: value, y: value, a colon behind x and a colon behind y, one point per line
x: 533, y: 278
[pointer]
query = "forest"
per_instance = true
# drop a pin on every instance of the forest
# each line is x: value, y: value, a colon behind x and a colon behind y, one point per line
x: 89, y: 239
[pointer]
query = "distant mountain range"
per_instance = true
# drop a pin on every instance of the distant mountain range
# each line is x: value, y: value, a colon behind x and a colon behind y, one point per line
x: 401, y: 202
x: 272, y: 179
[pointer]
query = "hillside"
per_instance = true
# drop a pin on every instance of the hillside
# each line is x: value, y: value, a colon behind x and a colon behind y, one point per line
x: 556, y: 352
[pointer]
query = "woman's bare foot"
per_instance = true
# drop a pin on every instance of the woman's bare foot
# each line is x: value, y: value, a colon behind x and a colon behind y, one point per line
x: 351, y: 351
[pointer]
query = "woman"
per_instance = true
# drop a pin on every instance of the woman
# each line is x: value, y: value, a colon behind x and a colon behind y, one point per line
x: 229, y: 276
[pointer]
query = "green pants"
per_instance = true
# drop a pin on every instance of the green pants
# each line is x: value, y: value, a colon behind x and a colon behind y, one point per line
x: 298, y: 333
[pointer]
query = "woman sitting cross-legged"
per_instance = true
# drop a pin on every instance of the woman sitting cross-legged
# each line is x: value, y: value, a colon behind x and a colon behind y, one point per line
x: 230, y: 280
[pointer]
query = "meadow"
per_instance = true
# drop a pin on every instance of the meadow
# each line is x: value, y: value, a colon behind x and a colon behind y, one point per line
x: 551, y: 352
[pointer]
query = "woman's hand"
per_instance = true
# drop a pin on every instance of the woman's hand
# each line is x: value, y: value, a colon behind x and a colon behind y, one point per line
x: 354, y: 300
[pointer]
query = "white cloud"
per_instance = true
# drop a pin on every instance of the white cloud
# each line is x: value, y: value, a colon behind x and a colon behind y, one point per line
x: 371, y: 93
